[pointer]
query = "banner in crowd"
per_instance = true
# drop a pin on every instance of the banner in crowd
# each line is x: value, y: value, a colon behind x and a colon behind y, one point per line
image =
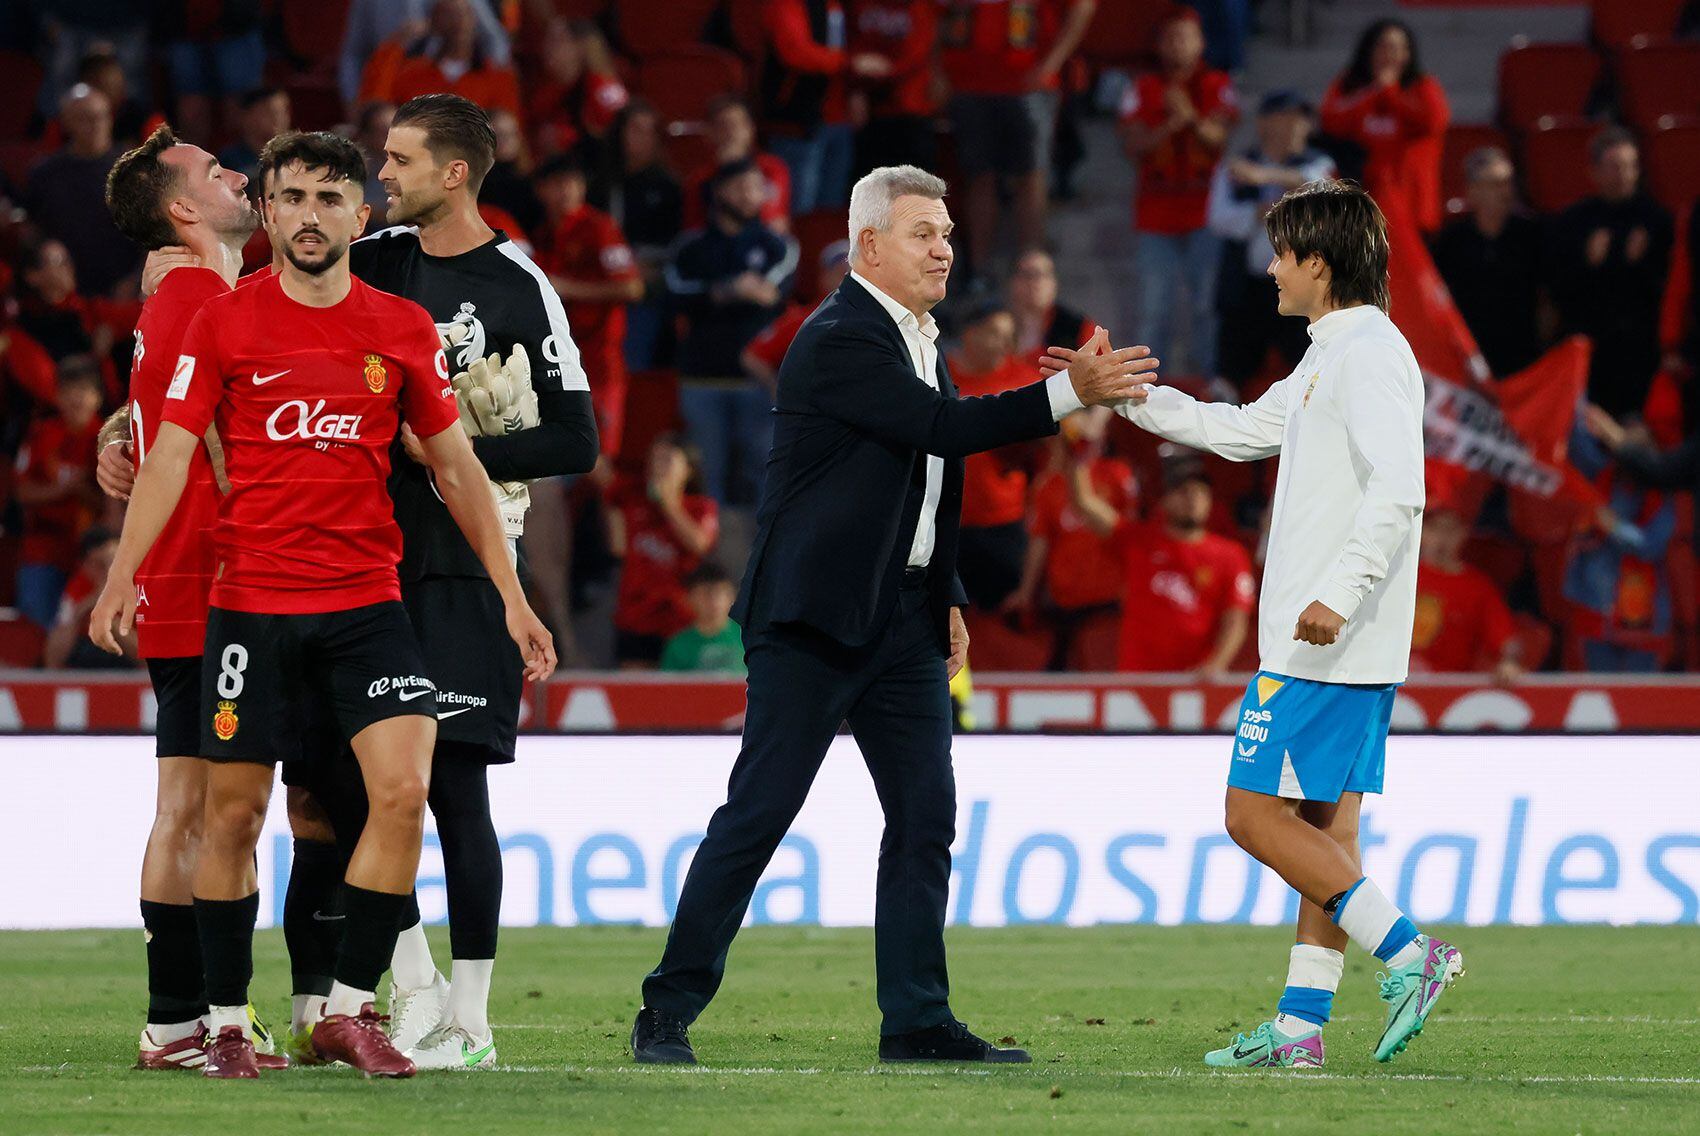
x: 597, y: 702
x: 1079, y: 831
x: 1515, y: 430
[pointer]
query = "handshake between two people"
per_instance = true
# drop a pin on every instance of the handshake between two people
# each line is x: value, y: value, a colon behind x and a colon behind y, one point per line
x: 1101, y: 374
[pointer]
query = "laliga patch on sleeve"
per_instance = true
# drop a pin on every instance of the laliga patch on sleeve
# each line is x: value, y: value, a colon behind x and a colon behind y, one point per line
x: 179, y: 387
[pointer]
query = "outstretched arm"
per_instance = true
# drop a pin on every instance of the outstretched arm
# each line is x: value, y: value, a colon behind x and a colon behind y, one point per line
x: 159, y: 486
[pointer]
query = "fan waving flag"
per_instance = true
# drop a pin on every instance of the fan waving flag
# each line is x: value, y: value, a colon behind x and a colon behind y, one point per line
x: 1516, y: 430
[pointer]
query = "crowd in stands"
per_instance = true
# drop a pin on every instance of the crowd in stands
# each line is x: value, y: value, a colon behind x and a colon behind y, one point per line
x: 680, y: 169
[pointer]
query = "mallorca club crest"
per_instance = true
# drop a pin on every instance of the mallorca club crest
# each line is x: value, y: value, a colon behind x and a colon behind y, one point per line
x: 1311, y: 388
x: 225, y: 721
x: 376, y: 376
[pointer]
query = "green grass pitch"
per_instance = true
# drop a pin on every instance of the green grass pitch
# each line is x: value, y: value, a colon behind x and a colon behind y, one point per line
x: 1574, y: 1029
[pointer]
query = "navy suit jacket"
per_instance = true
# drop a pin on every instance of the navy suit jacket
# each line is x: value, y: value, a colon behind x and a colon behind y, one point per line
x: 846, y: 476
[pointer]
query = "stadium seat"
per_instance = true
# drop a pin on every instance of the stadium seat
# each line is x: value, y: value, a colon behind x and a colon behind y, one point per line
x: 1461, y: 141
x: 680, y: 81
x: 20, y: 643
x: 1092, y: 646
x: 1672, y: 163
x: 998, y: 647
x: 814, y: 231
x: 16, y: 158
x: 1538, y: 79
x: 1617, y: 22
x: 749, y: 37
x: 652, y: 409
x: 1658, y: 79
x: 23, y: 80
x: 687, y: 146
x: 1534, y: 639
x: 1123, y: 32
x: 650, y: 26
x: 1555, y: 163
x: 313, y: 32
x: 315, y: 101
x: 581, y: 9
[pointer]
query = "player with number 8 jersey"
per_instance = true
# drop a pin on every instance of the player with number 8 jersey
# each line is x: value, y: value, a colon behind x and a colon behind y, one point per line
x: 308, y: 377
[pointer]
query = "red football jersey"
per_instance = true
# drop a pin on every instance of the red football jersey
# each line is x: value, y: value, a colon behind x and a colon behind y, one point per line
x: 774, y: 340
x: 308, y: 402
x: 1174, y: 176
x: 52, y: 453
x: 1462, y: 622
x: 176, y: 575
x: 994, y: 485
x: 587, y: 245
x: 1082, y: 569
x: 651, y: 600
x: 1177, y: 593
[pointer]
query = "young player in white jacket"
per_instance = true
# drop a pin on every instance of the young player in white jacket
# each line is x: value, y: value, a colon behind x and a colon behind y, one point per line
x: 1335, y: 615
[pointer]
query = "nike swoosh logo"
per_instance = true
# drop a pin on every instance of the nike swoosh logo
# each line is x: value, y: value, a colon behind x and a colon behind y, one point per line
x: 261, y: 380
x: 1238, y: 1054
x: 321, y: 917
x: 441, y: 714
x: 409, y: 696
x: 474, y: 1056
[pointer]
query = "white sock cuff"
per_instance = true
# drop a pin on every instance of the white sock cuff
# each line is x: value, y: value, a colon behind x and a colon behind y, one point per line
x: 1367, y: 915
x: 411, y: 966
x: 1315, y: 968
x: 220, y: 1016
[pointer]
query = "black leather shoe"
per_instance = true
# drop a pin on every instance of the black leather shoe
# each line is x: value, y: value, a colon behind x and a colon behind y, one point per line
x: 659, y: 1038
x: 948, y: 1042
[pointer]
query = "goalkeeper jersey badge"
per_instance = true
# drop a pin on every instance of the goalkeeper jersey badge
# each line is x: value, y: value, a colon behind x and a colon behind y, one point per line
x: 225, y: 721
x: 376, y: 376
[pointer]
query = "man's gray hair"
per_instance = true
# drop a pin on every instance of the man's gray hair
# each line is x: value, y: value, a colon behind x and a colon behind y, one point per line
x: 872, y: 197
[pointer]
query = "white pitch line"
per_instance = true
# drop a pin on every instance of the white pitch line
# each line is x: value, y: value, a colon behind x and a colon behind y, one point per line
x: 1295, y: 1076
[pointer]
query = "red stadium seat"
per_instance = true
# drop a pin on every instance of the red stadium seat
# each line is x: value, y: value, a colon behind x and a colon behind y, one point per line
x: 749, y: 36
x: 1617, y: 22
x: 315, y: 101
x: 650, y: 26
x: 680, y: 81
x: 652, y: 409
x: 1534, y: 639
x: 23, y: 80
x: 581, y: 9
x: 1555, y: 163
x: 1462, y: 140
x: 1672, y: 163
x: 1123, y: 32
x: 1658, y: 79
x: 998, y: 647
x: 20, y: 643
x: 1092, y: 645
x: 16, y: 158
x: 687, y: 146
x: 313, y: 32
x: 1538, y: 79
x: 814, y: 231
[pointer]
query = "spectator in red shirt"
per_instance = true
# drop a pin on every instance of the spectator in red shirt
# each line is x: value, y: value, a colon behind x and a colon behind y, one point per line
x: 578, y: 98
x: 992, y: 547
x: 56, y: 489
x: 732, y: 133
x: 1189, y: 591
x: 1001, y: 58
x: 68, y: 645
x: 1462, y: 623
x: 1039, y: 320
x: 448, y: 59
x: 897, y: 111
x: 1074, y: 570
x: 804, y: 105
x: 590, y: 265
x: 1175, y: 124
x: 64, y: 322
x: 1384, y: 103
x: 663, y: 525
x: 767, y: 350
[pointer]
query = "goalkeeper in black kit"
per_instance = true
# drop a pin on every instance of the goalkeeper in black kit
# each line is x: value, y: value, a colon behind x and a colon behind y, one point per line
x: 525, y: 400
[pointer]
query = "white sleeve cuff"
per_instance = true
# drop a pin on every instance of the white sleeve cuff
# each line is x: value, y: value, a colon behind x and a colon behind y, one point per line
x: 1064, y: 401
x: 1339, y: 599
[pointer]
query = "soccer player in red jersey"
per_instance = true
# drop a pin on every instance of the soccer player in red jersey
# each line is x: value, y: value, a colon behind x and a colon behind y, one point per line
x: 165, y: 192
x: 309, y: 377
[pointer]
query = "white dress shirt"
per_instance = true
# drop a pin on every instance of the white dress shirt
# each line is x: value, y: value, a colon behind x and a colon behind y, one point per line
x: 1347, y: 514
x: 922, y: 338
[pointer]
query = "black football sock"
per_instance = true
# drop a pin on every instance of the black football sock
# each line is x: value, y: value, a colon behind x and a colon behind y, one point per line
x: 312, y: 915
x: 472, y: 855
x: 226, y: 929
x: 368, y: 936
x: 175, y: 993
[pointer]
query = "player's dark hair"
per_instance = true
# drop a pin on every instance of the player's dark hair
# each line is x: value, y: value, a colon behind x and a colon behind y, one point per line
x: 136, y: 190
x: 336, y: 156
x: 1340, y: 222
x: 80, y: 370
x: 454, y: 127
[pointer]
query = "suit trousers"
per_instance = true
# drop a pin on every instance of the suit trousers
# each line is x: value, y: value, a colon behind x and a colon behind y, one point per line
x: 802, y: 685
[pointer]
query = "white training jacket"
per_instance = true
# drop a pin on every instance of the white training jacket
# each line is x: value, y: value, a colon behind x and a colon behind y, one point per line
x: 1347, y: 514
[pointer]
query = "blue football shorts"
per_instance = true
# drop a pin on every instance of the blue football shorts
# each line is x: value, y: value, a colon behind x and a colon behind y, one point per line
x: 1310, y: 741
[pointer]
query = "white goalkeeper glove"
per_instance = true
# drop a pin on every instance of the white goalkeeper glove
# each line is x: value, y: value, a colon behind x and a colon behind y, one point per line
x: 496, y: 398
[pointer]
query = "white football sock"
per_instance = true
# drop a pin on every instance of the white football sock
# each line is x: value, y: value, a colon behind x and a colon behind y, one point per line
x: 220, y: 1016
x: 1367, y: 915
x: 163, y: 1035
x: 305, y: 1010
x: 469, y: 995
x: 411, y: 968
x: 1409, y: 953
x: 347, y: 1000
x: 1312, y: 968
